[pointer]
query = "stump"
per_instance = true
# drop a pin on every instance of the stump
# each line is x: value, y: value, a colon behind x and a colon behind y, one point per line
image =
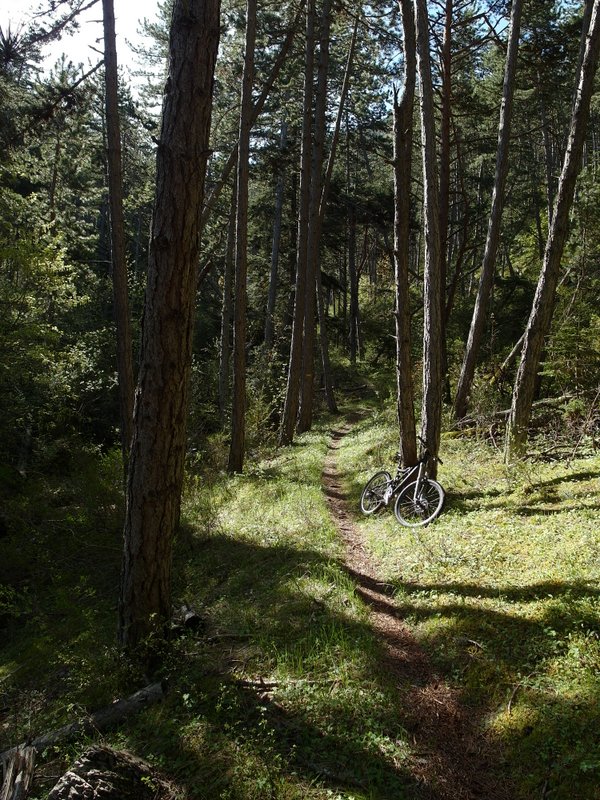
x: 18, y: 773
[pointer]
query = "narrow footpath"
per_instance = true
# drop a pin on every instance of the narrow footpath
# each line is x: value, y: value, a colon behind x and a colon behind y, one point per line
x: 452, y: 760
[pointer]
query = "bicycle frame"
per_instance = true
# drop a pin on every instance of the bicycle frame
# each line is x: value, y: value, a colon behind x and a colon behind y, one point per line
x: 419, y: 498
x: 404, y: 476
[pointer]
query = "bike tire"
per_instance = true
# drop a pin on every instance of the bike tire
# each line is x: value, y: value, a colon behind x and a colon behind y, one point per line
x: 371, y: 498
x: 414, y: 513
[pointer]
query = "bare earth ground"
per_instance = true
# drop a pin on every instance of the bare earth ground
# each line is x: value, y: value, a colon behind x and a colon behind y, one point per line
x: 453, y: 760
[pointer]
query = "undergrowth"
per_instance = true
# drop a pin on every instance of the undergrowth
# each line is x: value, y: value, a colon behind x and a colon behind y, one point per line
x: 280, y: 691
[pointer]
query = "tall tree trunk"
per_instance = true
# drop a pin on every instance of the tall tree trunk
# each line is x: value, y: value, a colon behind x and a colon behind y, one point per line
x: 313, y: 256
x: 459, y: 244
x: 256, y: 110
x: 277, y: 223
x: 158, y: 446
x: 338, y: 124
x: 227, y: 310
x: 488, y: 266
x: 292, y: 396
x: 324, y: 342
x: 431, y: 412
x: 445, y: 160
x: 389, y: 249
x: 353, y: 281
x: 324, y: 336
x: 545, y: 296
x: 548, y: 155
x: 238, y: 406
x: 403, y: 133
x: 117, y: 228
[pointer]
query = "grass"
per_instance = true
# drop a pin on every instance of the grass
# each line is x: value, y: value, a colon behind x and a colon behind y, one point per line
x: 282, y: 693
x: 504, y: 592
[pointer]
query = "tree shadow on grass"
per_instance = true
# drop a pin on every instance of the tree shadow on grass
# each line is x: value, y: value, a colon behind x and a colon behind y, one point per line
x: 534, y: 591
x: 462, y: 496
x: 550, y: 726
x: 574, y: 477
x: 283, y: 607
x: 541, y: 510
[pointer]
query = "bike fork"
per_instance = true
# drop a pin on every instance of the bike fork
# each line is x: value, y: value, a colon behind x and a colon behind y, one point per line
x: 418, y: 482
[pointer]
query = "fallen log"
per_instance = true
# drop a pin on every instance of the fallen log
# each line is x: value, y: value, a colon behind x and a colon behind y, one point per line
x: 99, y: 721
x: 545, y: 402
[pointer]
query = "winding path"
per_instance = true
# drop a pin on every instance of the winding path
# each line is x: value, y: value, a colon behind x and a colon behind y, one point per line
x: 452, y: 760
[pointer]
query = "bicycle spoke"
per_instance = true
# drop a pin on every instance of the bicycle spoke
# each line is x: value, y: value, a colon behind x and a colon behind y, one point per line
x: 419, y: 503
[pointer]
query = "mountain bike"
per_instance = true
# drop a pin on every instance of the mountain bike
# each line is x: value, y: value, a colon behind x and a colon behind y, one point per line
x: 419, y: 499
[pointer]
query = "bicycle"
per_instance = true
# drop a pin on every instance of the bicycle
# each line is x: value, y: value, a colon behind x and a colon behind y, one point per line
x: 419, y: 498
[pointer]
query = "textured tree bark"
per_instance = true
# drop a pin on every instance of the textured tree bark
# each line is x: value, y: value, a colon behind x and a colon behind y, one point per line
x: 238, y: 408
x: 445, y: 162
x: 292, y: 395
x: 323, y: 332
x: 353, y: 281
x: 488, y: 266
x: 544, y: 300
x: 313, y: 256
x: 102, y: 772
x: 431, y: 412
x: 227, y: 311
x: 275, y: 246
x: 403, y: 133
x: 158, y: 446
x: 19, y: 767
x: 119, y: 264
x: 256, y: 109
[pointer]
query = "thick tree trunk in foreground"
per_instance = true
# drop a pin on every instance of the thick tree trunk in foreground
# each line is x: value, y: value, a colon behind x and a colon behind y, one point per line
x: 119, y: 264
x: 158, y: 445
x: 238, y: 410
x: 488, y: 266
x: 431, y: 413
x: 403, y: 133
x: 18, y: 773
x: 545, y: 296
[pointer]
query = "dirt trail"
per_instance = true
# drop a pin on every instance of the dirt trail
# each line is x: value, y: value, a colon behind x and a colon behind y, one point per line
x: 452, y: 761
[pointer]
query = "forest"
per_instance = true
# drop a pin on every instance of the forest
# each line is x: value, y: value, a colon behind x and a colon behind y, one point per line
x: 292, y: 245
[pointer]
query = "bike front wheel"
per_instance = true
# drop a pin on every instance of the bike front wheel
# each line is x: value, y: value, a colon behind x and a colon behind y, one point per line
x: 416, y: 507
x: 372, y: 497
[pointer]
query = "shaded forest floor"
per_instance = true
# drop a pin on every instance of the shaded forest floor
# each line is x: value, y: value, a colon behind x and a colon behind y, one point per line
x: 459, y: 661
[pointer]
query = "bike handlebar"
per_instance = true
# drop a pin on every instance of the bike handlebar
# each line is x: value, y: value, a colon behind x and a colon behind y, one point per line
x: 425, y: 451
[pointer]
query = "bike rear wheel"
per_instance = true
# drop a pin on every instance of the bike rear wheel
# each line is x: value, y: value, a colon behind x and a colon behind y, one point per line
x: 371, y: 498
x: 414, y: 510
